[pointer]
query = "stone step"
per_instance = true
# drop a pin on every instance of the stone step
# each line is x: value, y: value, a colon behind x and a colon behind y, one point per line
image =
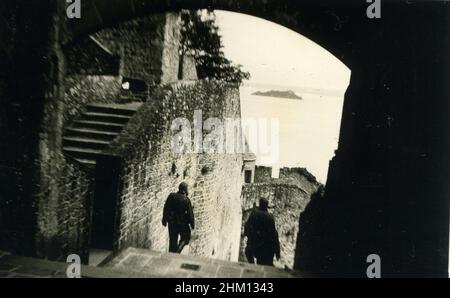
x: 99, y: 125
x: 174, y: 265
x: 91, y: 134
x: 95, y: 129
x: 120, y: 109
x: 84, y: 143
x: 82, y: 153
x: 106, y: 117
x: 88, y: 162
x: 97, y: 257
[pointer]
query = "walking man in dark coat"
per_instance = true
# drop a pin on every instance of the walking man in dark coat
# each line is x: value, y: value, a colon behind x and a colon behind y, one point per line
x: 179, y: 215
x: 262, y: 236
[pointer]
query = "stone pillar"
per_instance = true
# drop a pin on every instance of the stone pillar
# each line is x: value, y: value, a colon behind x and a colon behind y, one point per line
x: 32, y: 84
x: 387, y: 189
x: 148, y: 47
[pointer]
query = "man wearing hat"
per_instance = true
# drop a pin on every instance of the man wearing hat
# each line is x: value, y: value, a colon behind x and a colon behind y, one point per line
x: 262, y: 236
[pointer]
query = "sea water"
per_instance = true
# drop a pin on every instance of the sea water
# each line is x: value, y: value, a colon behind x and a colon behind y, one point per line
x: 308, y: 128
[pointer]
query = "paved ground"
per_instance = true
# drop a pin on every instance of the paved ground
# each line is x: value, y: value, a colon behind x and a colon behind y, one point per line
x: 98, y: 256
x: 23, y: 267
x: 139, y: 263
x: 174, y: 265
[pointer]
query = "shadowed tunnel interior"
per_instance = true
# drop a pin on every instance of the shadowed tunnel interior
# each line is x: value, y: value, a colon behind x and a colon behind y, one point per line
x: 387, y: 189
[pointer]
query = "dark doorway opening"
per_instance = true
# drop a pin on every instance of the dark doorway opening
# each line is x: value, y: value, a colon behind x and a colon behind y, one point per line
x: 134, y: 85
x: 134, y: 89
x: 104, y: 209
x: 248, y: 176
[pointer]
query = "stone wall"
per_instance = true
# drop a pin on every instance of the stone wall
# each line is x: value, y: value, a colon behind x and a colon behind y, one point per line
x: 189, y: 71
x: 263, y: 174
x: 63, y: 220
x: 288, y: 196
x: 44, y: 197
x: 148, y: 47
x: 297, y: 176
x: 82, y: 89
x: 89, y: 57
x: 59, y: 220
x: 170, y: 53
x: 151, y: 171
x: 42, y: 194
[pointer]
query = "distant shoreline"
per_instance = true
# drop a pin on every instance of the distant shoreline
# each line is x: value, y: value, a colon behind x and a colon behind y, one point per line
x: 279, y: 94
x: 298, y: 89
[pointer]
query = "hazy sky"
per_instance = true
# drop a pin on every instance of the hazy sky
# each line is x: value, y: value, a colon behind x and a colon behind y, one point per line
x: 274, y: 55
x: 277, y: 55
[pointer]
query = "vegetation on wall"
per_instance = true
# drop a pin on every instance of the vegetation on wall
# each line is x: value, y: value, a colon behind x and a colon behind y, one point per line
x: 201, y: 40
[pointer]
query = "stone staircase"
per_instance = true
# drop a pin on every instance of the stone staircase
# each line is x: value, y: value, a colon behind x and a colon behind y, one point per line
x: 139, y: 263
x: 94, y: 130
x: 162, y: 264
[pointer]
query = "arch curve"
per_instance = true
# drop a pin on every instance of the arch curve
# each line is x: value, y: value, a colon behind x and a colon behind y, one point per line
x: 329, y: 25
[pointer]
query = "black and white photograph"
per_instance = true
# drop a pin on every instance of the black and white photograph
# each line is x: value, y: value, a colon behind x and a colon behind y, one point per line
x: 227, y: 139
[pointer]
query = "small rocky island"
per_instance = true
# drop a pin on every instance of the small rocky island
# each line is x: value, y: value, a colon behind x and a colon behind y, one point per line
x: 281, y: 94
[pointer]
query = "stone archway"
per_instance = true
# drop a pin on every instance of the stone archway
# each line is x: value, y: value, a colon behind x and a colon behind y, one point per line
x: 328, y: 24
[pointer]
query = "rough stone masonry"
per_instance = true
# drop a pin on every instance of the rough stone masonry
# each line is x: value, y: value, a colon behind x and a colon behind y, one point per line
x: 60, y: 221
x: 288, y: 196
x: 151, y: 170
